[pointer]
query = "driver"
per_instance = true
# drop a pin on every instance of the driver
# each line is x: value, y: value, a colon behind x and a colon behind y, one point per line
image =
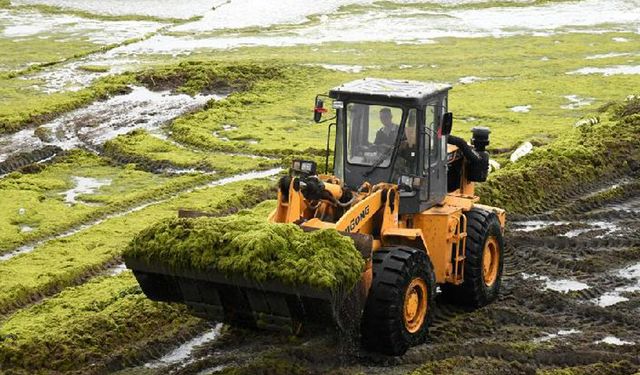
x: 387, y: 134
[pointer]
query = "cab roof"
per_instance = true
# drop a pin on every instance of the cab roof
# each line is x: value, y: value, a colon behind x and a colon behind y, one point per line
x: 388, y: 90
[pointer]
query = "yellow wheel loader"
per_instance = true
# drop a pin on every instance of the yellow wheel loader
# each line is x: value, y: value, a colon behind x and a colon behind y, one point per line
x: 402, y: 188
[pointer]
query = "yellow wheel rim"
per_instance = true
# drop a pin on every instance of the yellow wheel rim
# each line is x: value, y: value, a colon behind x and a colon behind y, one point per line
x: 490, y: 260
x: 415, y: 305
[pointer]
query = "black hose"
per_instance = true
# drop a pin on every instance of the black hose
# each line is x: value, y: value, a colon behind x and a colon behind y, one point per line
x: 477, y: 161
x: 469, y: 153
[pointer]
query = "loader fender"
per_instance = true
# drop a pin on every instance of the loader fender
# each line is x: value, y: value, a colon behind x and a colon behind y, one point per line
x: 404, y: 237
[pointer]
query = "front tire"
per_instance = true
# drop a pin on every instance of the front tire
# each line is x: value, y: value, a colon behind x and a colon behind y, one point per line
x: 401, y: 300
x: 483, y: 262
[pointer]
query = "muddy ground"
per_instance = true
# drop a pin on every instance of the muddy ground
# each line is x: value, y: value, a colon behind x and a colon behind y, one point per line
x: 569, y: 301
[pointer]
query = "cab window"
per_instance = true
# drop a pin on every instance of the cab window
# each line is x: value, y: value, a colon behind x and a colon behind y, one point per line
x: 372, y: 131
x: 431, y: 134
x: 407, y: 160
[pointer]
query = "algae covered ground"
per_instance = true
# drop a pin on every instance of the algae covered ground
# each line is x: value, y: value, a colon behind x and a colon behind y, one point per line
x: 115, y: 115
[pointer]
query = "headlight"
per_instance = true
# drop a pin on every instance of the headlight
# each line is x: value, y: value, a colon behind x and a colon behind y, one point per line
x: 304, y: 166
x: 307, y: 166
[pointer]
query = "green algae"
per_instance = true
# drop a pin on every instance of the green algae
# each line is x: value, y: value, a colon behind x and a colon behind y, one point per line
x: 271, y: 108
x: 272, y: 117
x: 144, y: 149
x: 26, y: 52
x: 626, y: 109
x: 22, y: 105
x: 62, y: 262
x: 94, y: 68
x: 86, y: 327
x: 29, y: 199
x: 192, y: 77
x: 246, y: 244
x: 276, y: 113
x: 52, y: 9
x: 581, y: 157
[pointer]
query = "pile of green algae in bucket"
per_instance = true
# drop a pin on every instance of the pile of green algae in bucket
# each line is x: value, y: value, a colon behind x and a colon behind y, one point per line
x: 247, y: 244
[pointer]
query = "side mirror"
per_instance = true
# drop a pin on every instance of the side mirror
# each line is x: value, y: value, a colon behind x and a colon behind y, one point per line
x: 447, y: 123
x: 318, y: 110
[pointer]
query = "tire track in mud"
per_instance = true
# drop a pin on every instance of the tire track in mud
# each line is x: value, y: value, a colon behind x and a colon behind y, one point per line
x: 591, y: 257
x: 540, y: 321
x: 25, y: 159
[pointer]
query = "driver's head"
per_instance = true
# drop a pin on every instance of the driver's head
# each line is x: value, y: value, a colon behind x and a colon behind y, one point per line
x: 385, y: 117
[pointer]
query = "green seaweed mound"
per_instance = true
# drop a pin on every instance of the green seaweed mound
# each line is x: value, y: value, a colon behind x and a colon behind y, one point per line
x: 582, y: 156
x: 248, y: 245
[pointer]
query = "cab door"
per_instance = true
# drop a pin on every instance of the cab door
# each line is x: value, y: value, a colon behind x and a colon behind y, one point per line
x: 434, y: 187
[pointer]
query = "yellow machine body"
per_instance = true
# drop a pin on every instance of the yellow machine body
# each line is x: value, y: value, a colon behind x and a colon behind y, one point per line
x: 440, y: 231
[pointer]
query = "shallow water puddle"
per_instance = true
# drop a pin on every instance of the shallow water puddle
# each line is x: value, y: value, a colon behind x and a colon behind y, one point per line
x: 239, y: 14
x: 117, y: 269
x: 612, y: 340
x: 533, y: 225
x: 72, y: 77
x: 341, y: 67
x: 26, y: 228
x: 92, y: 126
x: 288, y: 27
x: 471, y: 79
x: 609, y: 71
x: 21, y: 24
x: 406, y: 25
x: 609, y: 227
x: 611, y: 298
x: 239, y: 177
x: 560, y: 333
x: 632, y: 205
x: 184, y: 351
x: 575, y: 102
x: 521, y: 108
x: 83, y: 185
x: 620, y: 39
x: 608, y: 55
x: 216, y: 134
x: 183, y: 171
x: 561, y: 285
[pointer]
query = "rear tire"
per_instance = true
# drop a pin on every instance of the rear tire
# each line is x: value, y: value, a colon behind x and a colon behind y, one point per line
x: 483, y: 262
x: 401, y: 300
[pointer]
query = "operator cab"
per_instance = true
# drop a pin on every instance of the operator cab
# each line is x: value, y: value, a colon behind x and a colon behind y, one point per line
x: 393, y: 131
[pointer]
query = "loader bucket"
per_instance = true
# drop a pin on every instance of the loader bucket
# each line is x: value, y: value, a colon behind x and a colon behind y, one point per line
x: 239, y: 301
